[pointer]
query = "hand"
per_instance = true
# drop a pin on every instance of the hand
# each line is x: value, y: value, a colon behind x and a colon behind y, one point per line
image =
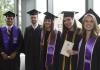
x: 72, y: 52
x: 12, y: 56
x: 4, y: 55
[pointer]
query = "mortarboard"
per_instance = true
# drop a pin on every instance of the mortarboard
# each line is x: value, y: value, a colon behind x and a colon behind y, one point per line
x: 50, y: 16
x: 9, y: 14
x: 33, y: 12
x: 69, y: 13
x: 91, y: 12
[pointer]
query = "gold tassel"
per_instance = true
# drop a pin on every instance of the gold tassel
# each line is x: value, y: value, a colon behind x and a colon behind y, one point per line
x: 63, y: 66
x: 70, y: 66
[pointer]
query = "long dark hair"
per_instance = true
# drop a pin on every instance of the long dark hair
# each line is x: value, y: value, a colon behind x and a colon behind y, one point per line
x: 52, y: 24
x: 51, y: 31
x: 64, y: 29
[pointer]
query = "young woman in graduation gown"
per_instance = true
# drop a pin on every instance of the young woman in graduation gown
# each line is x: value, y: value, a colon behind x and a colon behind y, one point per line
x: 11, y: 43
x: 50, y: 39
x: 70, y: 33
x: 89, y: 45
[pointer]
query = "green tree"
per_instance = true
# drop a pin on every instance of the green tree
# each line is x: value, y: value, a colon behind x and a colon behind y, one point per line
x: 5, y: 5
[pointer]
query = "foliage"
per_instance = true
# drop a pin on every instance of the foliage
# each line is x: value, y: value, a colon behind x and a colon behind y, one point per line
x: 5, y: 5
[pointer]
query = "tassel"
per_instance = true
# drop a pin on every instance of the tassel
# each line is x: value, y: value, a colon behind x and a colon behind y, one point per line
x: 70, y: 66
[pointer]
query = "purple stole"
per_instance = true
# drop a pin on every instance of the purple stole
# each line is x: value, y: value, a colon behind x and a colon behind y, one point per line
x: 88, y: 52
x: 50, y: 46
x: 15, y: 34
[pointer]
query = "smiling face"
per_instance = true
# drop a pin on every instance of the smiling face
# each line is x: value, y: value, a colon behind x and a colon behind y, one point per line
x: 9, y: 20
x: 34, y: 19
x: 68, y: 22
x: 47, y: 23
x: 88, y: 23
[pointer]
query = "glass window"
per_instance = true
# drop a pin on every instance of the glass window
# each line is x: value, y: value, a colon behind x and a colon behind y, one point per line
x: 42, y: 7
x: 19, y: 13
x: 96, y: 6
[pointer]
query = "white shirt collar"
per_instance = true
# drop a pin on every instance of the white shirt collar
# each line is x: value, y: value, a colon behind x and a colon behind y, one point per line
x: 35, y: 26
x: 9, y: 27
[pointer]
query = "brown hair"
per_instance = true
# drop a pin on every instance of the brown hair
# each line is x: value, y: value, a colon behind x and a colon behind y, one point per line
x: 52, y: 24
x: 64, y: 29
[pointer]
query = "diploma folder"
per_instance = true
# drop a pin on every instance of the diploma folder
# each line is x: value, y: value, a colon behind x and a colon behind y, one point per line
x: 66, y: 46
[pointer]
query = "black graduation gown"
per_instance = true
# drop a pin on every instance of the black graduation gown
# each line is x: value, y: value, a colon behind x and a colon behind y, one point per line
x: 72, y: 59
x: 13, y: 64
x: 55, y: 64
x: 95, y: 63
x: 32, y: 48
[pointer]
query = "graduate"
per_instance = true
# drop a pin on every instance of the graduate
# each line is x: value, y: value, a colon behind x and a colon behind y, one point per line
x: 89, y: 45
x: 70, y: 33
x: 32, y: 38
x: 11, y: 43
x: 50, y: 40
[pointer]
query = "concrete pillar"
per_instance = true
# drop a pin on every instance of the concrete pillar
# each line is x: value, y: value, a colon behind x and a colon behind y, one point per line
x: 89, y: 4
x: 50, y: 6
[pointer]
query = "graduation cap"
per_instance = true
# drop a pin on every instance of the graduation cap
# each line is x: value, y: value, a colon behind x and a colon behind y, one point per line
x: 9, y: 14
x: 90, y: 11
x: 33, y: 12
x: 69, y: 13
x: 50, y: 16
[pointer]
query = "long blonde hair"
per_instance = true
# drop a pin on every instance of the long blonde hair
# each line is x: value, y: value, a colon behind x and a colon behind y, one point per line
x: 95, y: 30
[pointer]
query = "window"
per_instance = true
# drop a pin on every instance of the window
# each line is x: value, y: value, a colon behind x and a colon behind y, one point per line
x: 19, y: 13
x: 42, y: 7
x: 95, y: 7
